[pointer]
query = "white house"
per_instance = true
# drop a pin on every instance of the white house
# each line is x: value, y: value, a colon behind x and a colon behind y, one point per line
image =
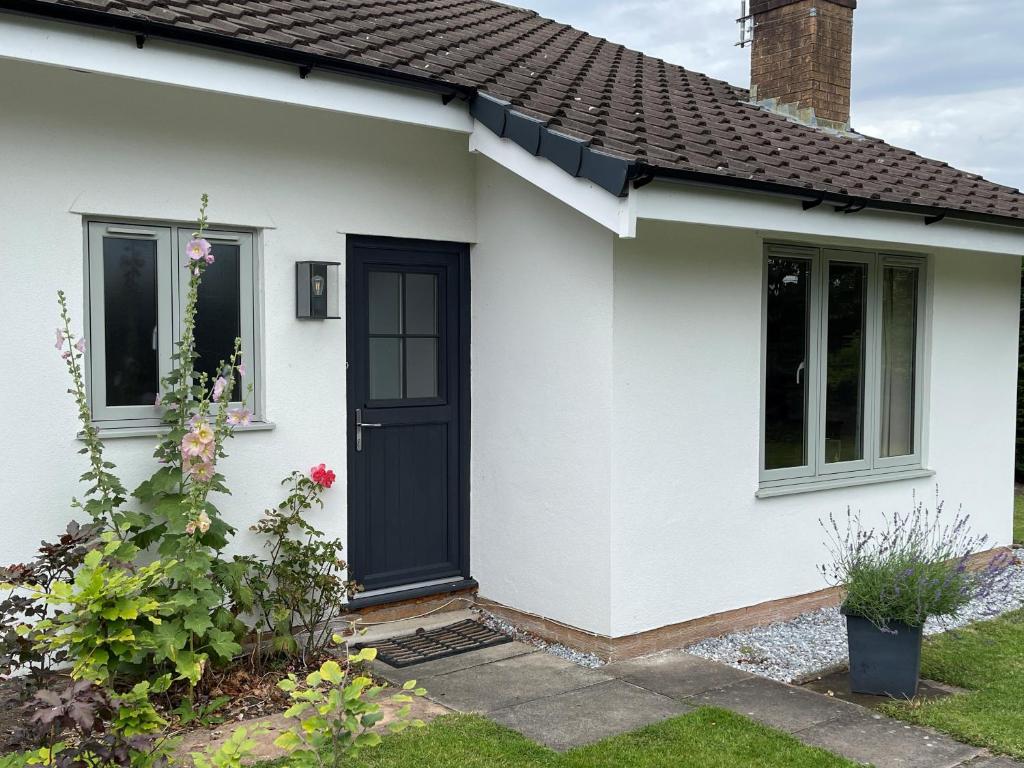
x: 618, y: 334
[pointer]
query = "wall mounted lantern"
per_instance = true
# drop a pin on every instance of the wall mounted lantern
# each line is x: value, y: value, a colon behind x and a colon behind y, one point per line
x: 318, y: 290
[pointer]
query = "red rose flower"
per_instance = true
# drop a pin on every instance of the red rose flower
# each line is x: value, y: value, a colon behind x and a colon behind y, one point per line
x: 322, y: 476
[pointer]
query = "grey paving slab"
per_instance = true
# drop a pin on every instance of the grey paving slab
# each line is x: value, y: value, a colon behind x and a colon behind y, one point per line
x: 869, y: 737
x: 776, y: 704
x: 675, y: 674
x: 399, y: 675
x: 993, y: 762
x: 501, y: 684
x: 586, y: 715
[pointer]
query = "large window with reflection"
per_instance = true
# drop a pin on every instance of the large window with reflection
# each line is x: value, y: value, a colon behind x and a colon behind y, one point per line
x: 137, y: 284
x: 842, y: 356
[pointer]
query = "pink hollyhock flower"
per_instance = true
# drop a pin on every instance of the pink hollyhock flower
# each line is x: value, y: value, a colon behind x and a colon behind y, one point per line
x: 61, y: 338
x: 218, y: 388
x: 202, y: 472
x: 191, y: 445
x: 239, y: 416
x: 65, y: 354
x: 241, y: 369
x: 158, y: 400
x: 80, y: 345
x: 204, y: 432
x: 322, y: 476
x: 198, y: 248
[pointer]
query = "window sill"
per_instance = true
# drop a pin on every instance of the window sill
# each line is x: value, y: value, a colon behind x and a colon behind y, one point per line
x: 108, y: 433
x: 816, y: 484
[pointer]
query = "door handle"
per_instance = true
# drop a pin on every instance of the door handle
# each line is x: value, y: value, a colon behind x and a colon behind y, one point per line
x: 360, y: 426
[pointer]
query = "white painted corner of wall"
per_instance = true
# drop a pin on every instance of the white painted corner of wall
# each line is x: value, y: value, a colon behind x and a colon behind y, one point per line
x: 617, y: 214
x: 106, y: 52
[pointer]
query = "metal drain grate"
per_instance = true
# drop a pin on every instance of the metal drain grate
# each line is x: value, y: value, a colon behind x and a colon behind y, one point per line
x: 427, y: 645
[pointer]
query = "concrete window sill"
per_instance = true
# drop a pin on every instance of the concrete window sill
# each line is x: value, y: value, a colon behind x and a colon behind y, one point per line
x: 113, y: 433
x: 817, y: 484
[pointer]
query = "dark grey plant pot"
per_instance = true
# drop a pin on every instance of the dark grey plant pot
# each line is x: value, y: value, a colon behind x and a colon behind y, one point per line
x: 884, y: 662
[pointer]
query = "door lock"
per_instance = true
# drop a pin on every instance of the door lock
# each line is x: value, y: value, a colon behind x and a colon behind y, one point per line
x: 360, y: 426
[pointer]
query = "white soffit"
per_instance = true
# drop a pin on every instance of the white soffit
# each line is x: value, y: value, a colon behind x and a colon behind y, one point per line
x: 106, y: 52
x: 782, y: 215
x: 613, y: 213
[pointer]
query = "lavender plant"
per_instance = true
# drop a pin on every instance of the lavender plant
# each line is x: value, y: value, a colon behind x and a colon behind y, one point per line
x: 915, y: 565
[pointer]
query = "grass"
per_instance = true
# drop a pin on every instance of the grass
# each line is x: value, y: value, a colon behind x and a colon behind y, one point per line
x: 705, y: 738
x: 1018, y: 517
x: 987, y: 658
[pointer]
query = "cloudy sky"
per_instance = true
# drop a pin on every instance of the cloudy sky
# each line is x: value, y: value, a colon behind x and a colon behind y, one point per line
x: 944, y: 78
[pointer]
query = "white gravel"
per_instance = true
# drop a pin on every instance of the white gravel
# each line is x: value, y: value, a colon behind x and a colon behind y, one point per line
x: 815, y: 642
x: 588, y: 660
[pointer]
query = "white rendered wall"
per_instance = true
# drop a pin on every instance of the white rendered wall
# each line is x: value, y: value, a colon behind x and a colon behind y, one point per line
x: 688, y: 537
x: 118, y: 147
x: 542, y: 387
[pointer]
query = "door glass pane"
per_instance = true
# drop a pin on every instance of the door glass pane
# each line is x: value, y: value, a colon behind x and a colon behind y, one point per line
x: 420, y: 304
x: 421, y: 367
x: 899, y: 332
x: 844, y: 377
x: 385, y: 369
x: 219, y: 317
x: 385, y: 302
x: 130, y: 318
x: 787, y: 341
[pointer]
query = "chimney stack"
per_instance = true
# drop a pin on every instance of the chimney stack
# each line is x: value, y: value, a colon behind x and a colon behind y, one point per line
x: 801, y: 57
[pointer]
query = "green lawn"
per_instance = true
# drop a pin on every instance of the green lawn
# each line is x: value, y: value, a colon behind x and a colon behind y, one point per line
x: 988, y: 659
x: 1018, y: 518
x: 706, y: 738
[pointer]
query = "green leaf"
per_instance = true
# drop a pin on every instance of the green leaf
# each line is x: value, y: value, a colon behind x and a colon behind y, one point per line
x: 288, y: 741
x: 331, y: 672
x: 197, y: 621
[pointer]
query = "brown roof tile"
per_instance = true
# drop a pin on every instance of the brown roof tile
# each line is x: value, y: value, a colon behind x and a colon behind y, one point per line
x: 623, y: 102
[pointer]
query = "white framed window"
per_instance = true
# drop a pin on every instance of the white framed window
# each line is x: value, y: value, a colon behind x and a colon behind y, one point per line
x: 136, y: 287
x: 842, y: 358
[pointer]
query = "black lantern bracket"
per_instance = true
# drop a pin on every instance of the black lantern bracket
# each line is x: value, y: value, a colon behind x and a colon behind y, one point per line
x: 318, y: 290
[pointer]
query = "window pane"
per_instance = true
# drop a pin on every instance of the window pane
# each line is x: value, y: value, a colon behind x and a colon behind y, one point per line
x: 130, y: 315
x: 219, y: 319
x: 385, y: 302
x: 385, y: 369
x: 421, y: 367
x: 787, y: 340
x: 844, y: 378
x: 899, y: 332
x: 420, y: 303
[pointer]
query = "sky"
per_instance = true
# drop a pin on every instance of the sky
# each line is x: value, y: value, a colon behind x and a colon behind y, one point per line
x: 944, y: 78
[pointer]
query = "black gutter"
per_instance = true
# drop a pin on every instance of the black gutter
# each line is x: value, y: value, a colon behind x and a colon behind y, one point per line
x: 578, y: 158
x: 142, y: 29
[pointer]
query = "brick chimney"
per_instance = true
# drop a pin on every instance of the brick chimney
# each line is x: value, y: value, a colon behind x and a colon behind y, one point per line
x: 801, y: 59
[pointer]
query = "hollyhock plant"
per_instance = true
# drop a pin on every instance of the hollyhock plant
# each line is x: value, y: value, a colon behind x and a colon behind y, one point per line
x: 322, y: 476
x: 218, y: 388
x: 199, y: 248
x: 239, y: 417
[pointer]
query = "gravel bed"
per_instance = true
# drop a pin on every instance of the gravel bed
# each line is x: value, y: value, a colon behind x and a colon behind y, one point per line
x: 588, y: 660
x: 815, y: 642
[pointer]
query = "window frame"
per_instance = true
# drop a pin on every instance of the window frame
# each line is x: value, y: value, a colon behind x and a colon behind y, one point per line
x: 172, y: 288
x: 816, y: 470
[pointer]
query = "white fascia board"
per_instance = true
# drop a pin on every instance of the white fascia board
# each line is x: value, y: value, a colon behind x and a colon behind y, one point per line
x: 778, y: 215
x: 614, y: 213
x: 108, y: 52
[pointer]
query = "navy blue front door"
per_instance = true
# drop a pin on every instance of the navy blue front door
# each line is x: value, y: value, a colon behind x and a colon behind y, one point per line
x: 407, y: 314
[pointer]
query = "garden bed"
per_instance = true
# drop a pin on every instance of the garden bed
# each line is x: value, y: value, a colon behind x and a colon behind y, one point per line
x: 814, y: 643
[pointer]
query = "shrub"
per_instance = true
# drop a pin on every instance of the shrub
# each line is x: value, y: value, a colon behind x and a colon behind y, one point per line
x: 302, y: 584
x: 914, y: 566
x: 336, y: 713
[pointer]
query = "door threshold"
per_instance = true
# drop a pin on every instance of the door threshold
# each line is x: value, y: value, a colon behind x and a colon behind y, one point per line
x: 410, y: 592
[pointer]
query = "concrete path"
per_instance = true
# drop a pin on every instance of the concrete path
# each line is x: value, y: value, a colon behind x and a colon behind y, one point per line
x: 562, y: 705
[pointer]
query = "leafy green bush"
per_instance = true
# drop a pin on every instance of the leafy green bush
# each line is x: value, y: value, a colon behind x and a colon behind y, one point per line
x: 301, y: 586
x: 912, y: 567
x: 336, y: 712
